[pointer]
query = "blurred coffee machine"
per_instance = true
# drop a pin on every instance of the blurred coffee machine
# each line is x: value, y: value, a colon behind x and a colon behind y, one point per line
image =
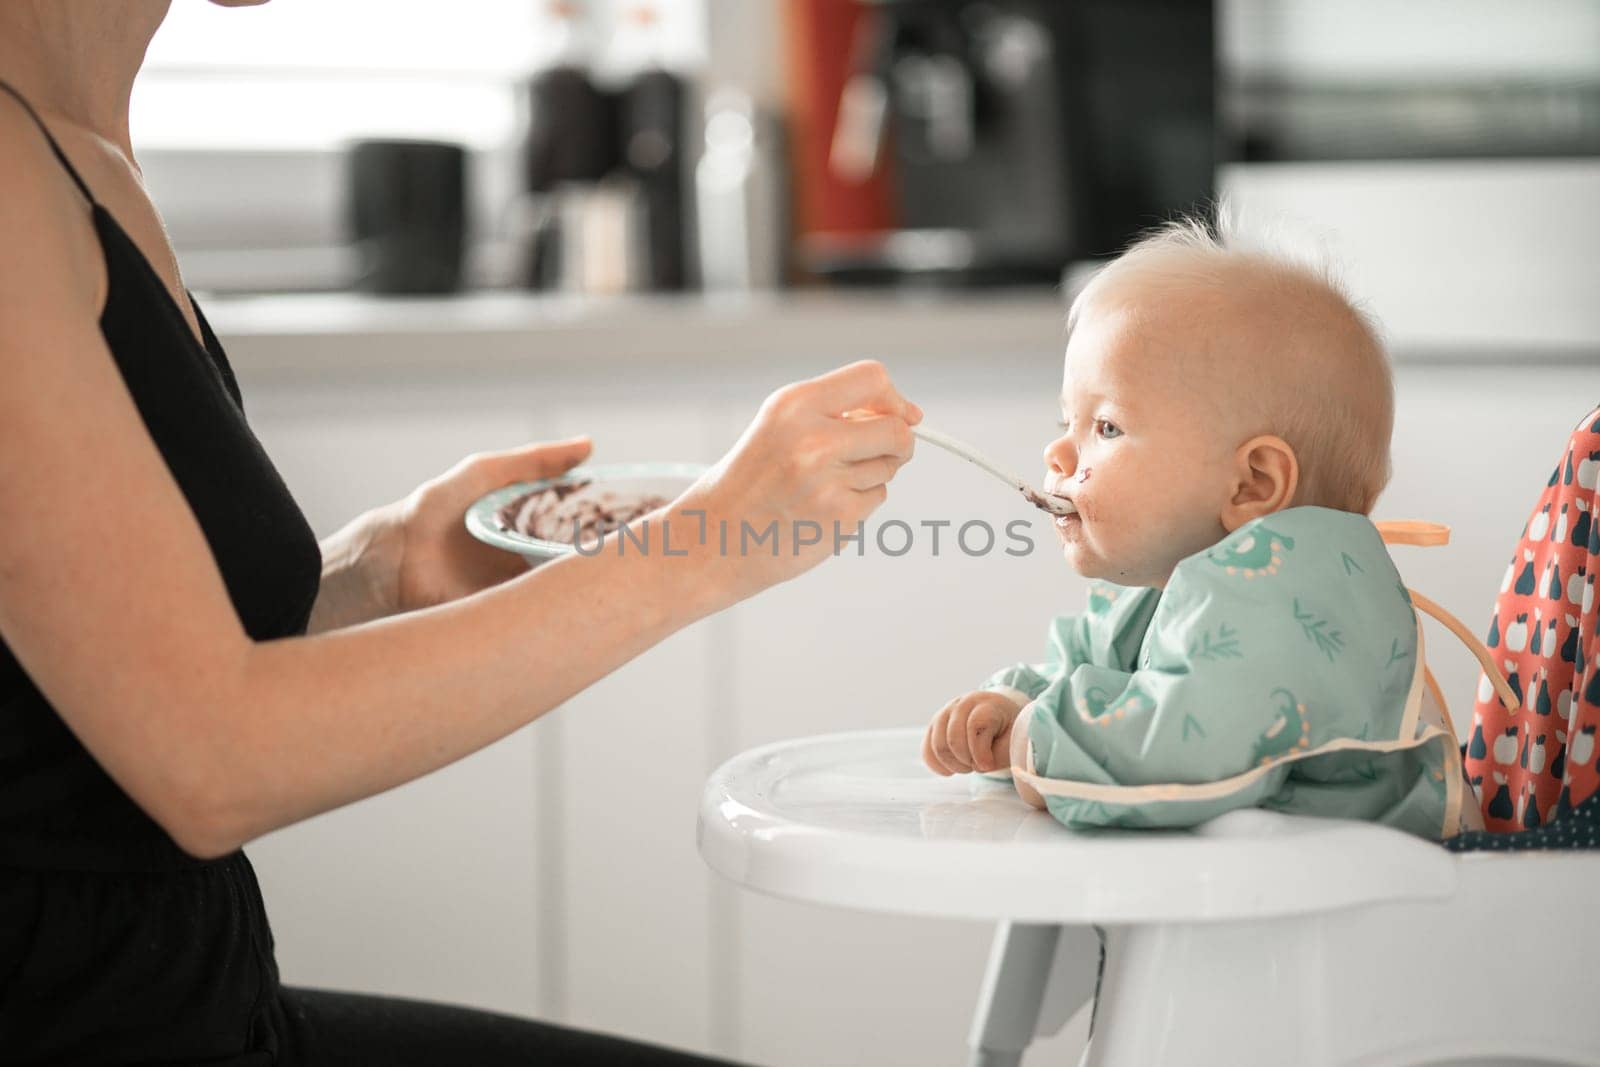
x: 602, y: 211
x: 1020, y: 135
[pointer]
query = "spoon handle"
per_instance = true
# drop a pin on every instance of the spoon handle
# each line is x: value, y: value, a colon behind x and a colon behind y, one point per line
x: 971, y: 455
x: 1055, y: 505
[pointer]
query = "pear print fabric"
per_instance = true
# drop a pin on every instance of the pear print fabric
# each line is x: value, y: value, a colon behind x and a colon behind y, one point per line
x: 1535, y: 766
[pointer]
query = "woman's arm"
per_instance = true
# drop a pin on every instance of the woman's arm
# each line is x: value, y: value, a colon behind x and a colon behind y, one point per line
x: 127, y: 628
x: 349, y: 714
x: 312, y: 724
x: 360, y: 571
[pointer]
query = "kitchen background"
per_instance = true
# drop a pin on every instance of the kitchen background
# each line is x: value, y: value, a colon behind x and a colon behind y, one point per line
x: 636, y: 218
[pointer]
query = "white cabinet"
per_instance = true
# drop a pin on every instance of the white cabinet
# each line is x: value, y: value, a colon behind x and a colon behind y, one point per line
x: 428, y: 890
x: 630, y: 916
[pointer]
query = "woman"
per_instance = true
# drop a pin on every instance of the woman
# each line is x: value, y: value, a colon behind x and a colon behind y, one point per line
x: 183, y: 668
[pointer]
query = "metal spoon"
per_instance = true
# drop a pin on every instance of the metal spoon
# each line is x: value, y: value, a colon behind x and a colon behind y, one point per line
x: 1055, y: 505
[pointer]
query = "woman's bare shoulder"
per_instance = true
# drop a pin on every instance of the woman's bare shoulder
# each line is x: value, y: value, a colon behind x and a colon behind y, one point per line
x: 50, y: 260
x: 109, y: 595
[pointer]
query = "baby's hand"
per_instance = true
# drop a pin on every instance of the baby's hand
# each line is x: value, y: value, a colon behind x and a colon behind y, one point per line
x: 971, y: 733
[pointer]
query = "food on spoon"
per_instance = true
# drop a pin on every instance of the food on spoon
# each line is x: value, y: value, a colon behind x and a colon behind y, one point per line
x: 1055, y: 505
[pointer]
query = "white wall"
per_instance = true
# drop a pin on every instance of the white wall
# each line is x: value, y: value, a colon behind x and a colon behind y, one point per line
x: 1500, y: 257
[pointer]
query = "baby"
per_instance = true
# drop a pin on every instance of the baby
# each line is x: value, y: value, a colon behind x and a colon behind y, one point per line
x: 1226, y: 416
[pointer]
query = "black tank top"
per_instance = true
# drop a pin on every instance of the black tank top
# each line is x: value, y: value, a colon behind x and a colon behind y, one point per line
x: 113, y: 941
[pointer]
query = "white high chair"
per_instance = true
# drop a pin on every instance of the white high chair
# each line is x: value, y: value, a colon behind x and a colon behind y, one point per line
x: 1256, y: 938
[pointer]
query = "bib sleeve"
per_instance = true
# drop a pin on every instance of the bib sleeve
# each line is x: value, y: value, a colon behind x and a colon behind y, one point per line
x: 1109, y: 631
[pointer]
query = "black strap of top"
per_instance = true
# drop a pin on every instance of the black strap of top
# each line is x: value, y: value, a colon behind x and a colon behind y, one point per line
x: 62, y: 156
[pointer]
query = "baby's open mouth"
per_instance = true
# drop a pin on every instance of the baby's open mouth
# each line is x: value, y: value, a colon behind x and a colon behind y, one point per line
x: 1066, y: 518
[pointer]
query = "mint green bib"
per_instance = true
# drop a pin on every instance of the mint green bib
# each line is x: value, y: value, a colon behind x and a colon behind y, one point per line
x: 1282, y: 668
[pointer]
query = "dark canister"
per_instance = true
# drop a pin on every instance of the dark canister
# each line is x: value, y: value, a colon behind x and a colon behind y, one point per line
x: 407, y: 209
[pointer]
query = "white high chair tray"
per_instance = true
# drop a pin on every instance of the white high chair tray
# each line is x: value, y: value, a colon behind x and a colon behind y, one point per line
x: 856, y: 820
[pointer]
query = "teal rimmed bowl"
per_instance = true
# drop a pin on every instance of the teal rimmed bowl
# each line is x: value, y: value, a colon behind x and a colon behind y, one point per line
x: 483, y: 517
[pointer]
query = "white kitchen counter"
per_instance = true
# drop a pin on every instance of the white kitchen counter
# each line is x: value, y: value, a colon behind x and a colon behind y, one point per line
x: 293, y: 336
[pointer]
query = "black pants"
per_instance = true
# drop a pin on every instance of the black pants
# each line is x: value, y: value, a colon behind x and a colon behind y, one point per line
x: 328, y: 1029
x: 177, y: 966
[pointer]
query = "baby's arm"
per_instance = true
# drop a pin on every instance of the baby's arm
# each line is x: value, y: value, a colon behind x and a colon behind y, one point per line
x: 1022, y: 682
x: 973, y: 731
x: 1164, y: 723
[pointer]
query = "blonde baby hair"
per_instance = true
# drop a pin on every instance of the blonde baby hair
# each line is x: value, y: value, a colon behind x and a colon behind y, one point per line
x: 1324, y: 382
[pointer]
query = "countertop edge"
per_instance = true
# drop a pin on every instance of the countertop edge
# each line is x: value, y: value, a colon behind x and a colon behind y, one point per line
x: 293, y: 335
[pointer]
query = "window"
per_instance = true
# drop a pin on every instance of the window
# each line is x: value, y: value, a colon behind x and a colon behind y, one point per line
x: 240, y: 115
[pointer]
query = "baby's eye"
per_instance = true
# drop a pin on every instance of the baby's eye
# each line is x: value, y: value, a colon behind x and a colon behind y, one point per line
x: 1107, y: 430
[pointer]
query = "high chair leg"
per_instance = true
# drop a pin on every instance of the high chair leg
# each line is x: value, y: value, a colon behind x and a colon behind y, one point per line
x: 1038, y: 976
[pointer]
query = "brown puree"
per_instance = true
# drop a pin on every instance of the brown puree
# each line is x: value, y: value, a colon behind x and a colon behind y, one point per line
x: 564, y: 513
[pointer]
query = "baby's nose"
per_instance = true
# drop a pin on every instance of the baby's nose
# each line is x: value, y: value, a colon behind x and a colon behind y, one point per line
x: 1060, y: 457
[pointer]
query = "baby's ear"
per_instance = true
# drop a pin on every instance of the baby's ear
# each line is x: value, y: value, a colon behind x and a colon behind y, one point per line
x: 1266, y: 475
